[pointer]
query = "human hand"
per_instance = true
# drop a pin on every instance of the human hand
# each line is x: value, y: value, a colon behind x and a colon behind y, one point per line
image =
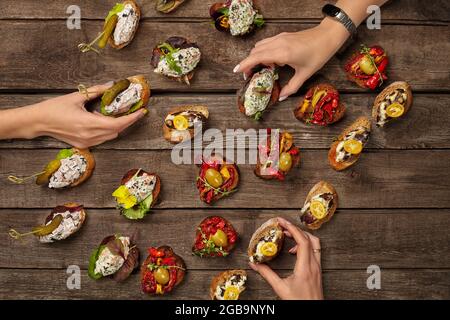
x: 306, y: 281
x: 305, y: 51
x: 65, y: 118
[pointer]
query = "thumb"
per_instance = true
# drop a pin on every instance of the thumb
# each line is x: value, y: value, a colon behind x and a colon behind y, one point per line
x: 124, y: 122
x: 292, y: 86
x: 269, y: 275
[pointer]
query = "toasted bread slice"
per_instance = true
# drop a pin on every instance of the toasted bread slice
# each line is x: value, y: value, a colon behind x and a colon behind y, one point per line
x: 70, y: 206
x: 222, y: 278
x: 260, y: 233
x: 146, y: 92
x: 304, y: 115
x: 320, y: 188
x: 176, y: 136
x: 138, y: 14
x: 387, y: 92
x: 156, y: 189
x: 90, y: 165
x: 339, y: 166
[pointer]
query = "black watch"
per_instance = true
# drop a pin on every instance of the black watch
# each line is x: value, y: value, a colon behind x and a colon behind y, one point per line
x: 339, y: 15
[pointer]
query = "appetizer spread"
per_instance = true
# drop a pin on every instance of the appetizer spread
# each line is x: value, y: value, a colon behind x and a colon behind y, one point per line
x: 367, y: 68
x: 162, y: 271
x: 117, y: 256
x: 321, y: 106
x: 215, y: 237
x: 70, y: 168
x: 277, y: 158
x: 228, y: 285
x: 182, y: 122
x: 320, y: 205
x: 167, y: 6
x: 138, y: 192
x: 260, y: 91
x: 119, y: 28
x: 347, y: 148
x: 217, y: 179
x: 239, y: 17
x: 266, y: 242
x: 392, y: 103
x: 176, y: 59
x: 61, y: 223
x: 126, y: 96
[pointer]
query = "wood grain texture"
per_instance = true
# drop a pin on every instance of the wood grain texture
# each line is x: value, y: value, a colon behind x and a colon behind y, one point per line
x: 338, y: 284
x: 353, y: 239
x: 43, y: 62
x: 272, y: 9
x: 387, y: 179
x: 425, y: 126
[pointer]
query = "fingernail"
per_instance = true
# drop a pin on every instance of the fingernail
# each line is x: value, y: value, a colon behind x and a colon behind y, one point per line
x: 252, y: 265
x: 236, y: 68
x: 283, y: 98
x: 109, y: 84
x: 143, y: 113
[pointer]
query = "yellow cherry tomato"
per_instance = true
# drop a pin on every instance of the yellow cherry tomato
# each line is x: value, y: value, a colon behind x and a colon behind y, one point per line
x: 220, y: 238
x: 161, y: 276
x: 231, y: 293
x: 367, y: 66
x: 318, y: 209
x: 225, y: 173
x: 285, y: 161
x: 395, y: 110
x: 214, y: 178
x: 353, y: 146
x: 269, y: 249
x: 180, y: 122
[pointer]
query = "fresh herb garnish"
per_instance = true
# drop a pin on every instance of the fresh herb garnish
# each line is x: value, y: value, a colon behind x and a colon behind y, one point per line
x: 258, y: 115
x: 154, y: 266
x: 225, y: 11
x: 209, y: 247
x: 168, y: 52
x: 259, y: 20
x: 216, y: 190
x: 366, y: 50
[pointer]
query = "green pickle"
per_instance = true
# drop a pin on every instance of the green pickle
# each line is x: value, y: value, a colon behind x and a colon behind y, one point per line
x: 50, y: 169
x: 110, y: 25
x: 49, y: 228
x: 110, y: 94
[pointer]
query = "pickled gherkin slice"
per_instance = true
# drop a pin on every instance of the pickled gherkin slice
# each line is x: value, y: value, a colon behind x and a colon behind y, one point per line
x: 49, y: 228
x: 50, y: 169
x: 110, y: 94
x: 110, y: 25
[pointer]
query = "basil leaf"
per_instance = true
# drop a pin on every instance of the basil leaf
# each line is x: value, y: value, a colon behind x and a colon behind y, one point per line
x: 173, y: 64
x: 115, y: 10
x: 225, y: 11
x: 259, y: 21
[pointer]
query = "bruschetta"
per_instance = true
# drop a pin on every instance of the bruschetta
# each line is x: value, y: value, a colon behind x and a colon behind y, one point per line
x: 228, y: 285
x: 266, y: 243
x: 182, y: 123
x: 167, y: 6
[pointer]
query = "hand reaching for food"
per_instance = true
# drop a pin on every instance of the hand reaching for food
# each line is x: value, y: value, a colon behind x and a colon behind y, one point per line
x: 305, y: 283
x: 65, y: 118
x: 305, y: 51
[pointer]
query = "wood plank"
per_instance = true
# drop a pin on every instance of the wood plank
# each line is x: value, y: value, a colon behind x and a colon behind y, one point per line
x: 44, y: 62
x: 380, y: 180
x: 354, y: 239
x: 272, y: 9
x: 410, y: 133
x: 395, y: 284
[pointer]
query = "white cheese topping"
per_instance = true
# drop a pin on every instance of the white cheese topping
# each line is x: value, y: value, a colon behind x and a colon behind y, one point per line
x: 396, y: 96
x: 241, y: 16
x: 70, y: 223
x: 186, y: 59
x: 125, y: 100
x: 259, y: 91
x: 359, y: 134
x: 71, y: 169
x: 109, y: 263
x: 237, y: 281
x: 192, y: 118
x: 126, y: 24
x: 271, y: 237
x: 141, y: 186
x: 326, y: 203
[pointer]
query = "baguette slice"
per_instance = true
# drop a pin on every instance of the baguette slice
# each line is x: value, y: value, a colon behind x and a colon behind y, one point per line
x: 90, y: 165
x: 138, y: 14
x: 263, y: 231
x: 176, y: 136
x: 386, y: 92
x: 146, y: 92
x: 320, y: 188
x: 222, y: 278
x: 339, y: 166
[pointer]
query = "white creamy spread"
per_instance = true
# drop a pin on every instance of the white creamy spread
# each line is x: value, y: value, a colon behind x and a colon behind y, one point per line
x: 233, y: 281
x: 141, y: 186
x: 125, y: 100
x: 109, y: 263
x: 359, y: 134
x: 191, y: 117
x: 396, y: 96
x: 126, y: 24
x: 326, y: 203
x: 69, y: 224
x: 241, y: 16
x: 271, y: 237
x: 259, y: 91
x: 71, y: 169
x: 186, y: 59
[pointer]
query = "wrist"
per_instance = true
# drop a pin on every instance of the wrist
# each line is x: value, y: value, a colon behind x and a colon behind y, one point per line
x: 334, y: 31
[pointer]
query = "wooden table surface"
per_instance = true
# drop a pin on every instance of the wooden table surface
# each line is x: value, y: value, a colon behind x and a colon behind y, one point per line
x: 395, y: 203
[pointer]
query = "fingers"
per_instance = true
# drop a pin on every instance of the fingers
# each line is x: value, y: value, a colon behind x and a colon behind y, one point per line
x: 269, y: 275
x: 253, y: 60
x: 93, y: 92
x: 293, y: 85
x: 303, y: 242
x: 315, y: 246
x: 124, y: 122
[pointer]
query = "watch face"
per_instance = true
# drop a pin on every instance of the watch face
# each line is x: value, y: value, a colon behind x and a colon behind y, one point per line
x: 331, y: 10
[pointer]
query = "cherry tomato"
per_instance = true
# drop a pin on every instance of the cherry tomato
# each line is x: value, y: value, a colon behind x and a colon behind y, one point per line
x: 214, y: 178
x: 161, y: 275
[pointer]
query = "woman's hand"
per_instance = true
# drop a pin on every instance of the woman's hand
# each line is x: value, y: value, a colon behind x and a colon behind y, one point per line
x: 306, y: 281
x: 305, y: 51
x: 65, y: 118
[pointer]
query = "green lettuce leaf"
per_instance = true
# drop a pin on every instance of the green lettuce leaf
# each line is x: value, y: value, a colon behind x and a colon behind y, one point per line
x: 115, y: 10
